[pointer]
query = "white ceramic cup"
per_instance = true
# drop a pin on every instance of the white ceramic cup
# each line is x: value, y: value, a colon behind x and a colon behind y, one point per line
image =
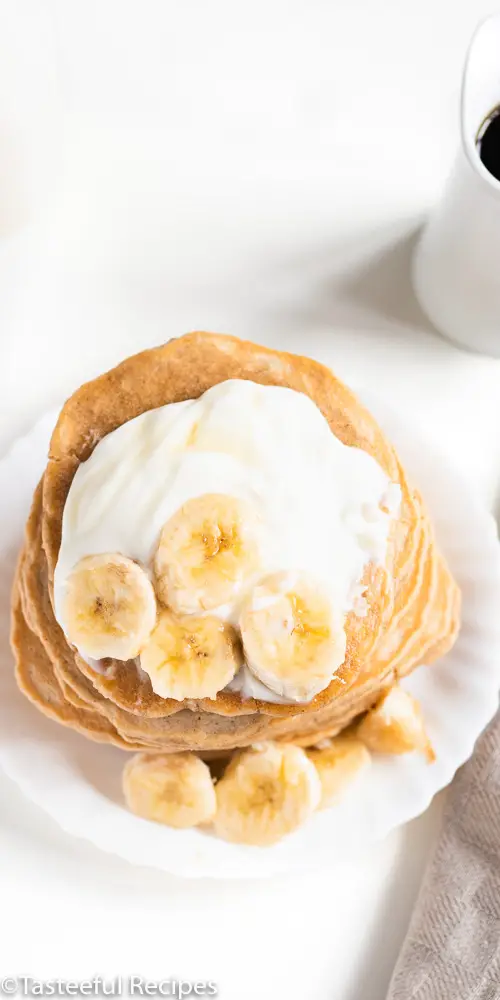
x: 456, y: 267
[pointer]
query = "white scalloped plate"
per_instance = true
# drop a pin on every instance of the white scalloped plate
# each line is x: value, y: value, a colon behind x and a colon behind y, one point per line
x: 78, y: 782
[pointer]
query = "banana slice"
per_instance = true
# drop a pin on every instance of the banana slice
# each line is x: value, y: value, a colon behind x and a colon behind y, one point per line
x: 109, y: 607
x: 265, y: 793
x: 396, y: 725
x: 190, y: 657
x: 293, y: 641
x: 338, y: 765
x: 175, y: 789
x: 207, y: 549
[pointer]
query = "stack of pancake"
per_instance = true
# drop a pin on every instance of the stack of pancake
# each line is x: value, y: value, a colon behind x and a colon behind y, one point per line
x: 412, y: 602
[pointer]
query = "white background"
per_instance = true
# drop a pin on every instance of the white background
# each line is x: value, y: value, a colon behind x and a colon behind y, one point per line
x: 256, y: 168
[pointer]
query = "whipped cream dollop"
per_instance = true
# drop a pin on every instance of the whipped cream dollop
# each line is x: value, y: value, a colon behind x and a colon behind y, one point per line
x: 324, y: 508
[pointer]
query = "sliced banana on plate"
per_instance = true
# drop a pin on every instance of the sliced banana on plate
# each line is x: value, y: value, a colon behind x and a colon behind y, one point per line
x: 338, y: 765
x: 109, y: 606
x: 190, y: 657
x: 175, y: 789
x: 265, y: 793
x: 396, y: 725
x: 206, y: 550
x: 292, y: 639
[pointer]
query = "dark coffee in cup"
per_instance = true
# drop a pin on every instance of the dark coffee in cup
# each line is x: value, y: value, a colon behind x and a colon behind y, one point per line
x: 488, y: 143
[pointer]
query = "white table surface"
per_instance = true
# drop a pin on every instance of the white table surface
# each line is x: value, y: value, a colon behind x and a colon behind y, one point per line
x: 260, y: 169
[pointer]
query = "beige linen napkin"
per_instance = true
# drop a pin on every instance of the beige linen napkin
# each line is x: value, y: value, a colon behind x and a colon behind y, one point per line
x: 452, y: 949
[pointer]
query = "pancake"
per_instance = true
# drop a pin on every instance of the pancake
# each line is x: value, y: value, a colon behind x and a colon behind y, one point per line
x: 412, y: 602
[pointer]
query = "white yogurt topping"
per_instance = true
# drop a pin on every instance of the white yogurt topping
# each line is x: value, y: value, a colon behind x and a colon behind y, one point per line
x: 249, y: 686
x: 320, y: 502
